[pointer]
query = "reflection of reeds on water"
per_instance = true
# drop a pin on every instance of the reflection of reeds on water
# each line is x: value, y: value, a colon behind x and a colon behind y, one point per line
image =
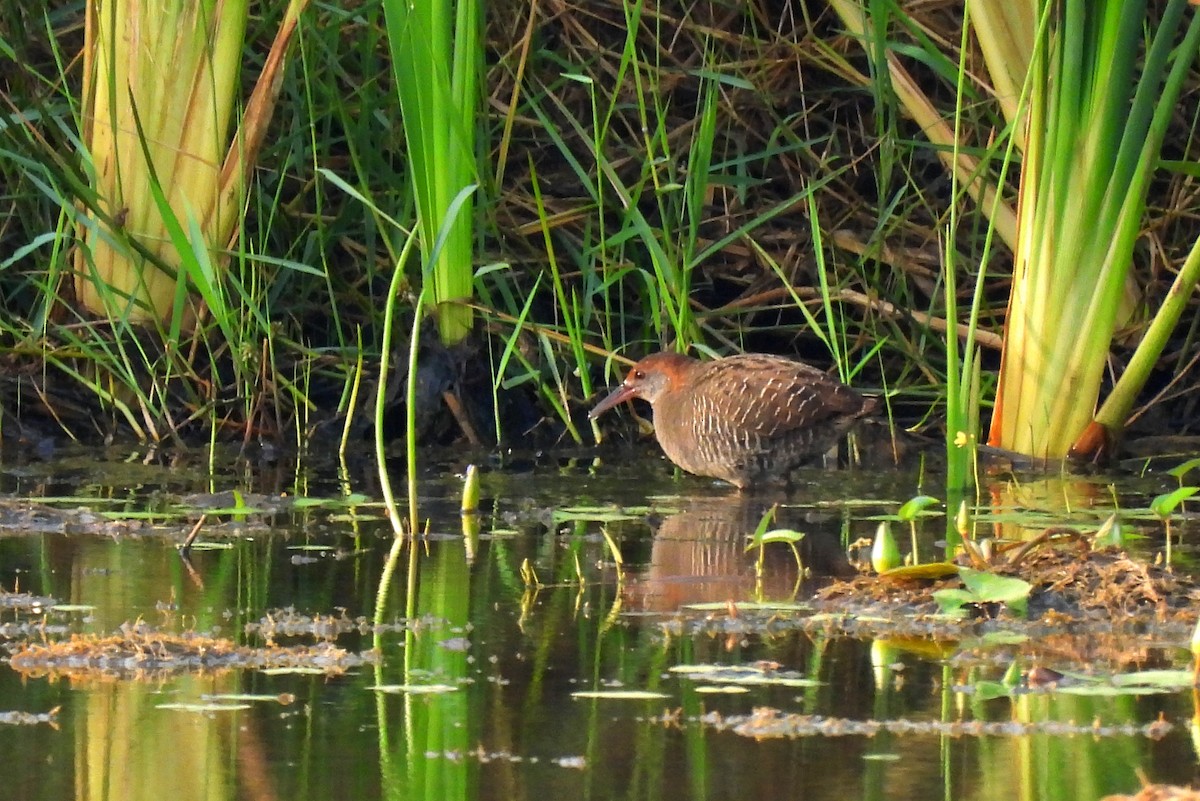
x: 699, y: 556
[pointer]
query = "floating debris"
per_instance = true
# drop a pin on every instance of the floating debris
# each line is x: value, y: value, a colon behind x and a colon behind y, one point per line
x: 30, y: 718
x: 1071, y: 584
x: 141, y: 652
x: 745, y: 675
x: 769, y: 723
x: 1158, y: 792
x: 624, y: 695
x: 290, y: 623
x: 25, y: 602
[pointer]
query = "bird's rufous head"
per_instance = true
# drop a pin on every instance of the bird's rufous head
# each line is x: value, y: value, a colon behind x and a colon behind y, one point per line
x: 648, y: 379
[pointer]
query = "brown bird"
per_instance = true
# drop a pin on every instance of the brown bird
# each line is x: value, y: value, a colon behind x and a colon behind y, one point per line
x: 747, y: 419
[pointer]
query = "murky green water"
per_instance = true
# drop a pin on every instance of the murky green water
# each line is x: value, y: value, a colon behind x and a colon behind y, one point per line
x: 831, y: 717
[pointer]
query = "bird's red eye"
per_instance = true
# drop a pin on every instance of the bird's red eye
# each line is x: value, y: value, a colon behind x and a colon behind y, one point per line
x: 639, y: 375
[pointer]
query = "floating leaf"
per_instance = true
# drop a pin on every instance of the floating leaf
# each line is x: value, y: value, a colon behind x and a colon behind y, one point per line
x: 744, y: 675
x: 351, y: 499
x: 237, y: 510
x: 993, y: 639
x: 413, y: 689
x: 204, y: 545
x: 285, y: 698
x: 1160, y: 679
x: 204, y: 708
x: 597, y: 514
x: 501, y: 533
x: 981, y: 587
x: 1107, y: 690
x: 930, y: 571
x: 953, y: 602
x: 748, y: 606
x: 698, y: 669
x: 133, y: 515
x: 628, y: 695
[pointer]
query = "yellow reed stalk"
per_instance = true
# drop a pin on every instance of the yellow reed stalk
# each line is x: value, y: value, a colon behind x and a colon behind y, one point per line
x: 1005, y: 32
x: 173, y: 65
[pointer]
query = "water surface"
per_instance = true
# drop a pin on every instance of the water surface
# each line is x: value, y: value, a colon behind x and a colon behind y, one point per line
x: 477, y: 650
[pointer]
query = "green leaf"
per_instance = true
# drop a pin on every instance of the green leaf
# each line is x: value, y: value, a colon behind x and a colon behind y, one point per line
x: 991, y: 588
x: 1165, y: 505
x: 783, y: 535
x: 1159, y: 679
x: 203, y: 709
x: 760, y: 531
x: 598, y: 514
x: 743, y: 675
x: 952, y: 601
x: 981, y: 587
x: 1181, y: 470
x: 627, y: 695
x: 930, y: 571
x: 885, y: 554
x: 413, y: 689
x: 988, y: 690
x: 914, y: 506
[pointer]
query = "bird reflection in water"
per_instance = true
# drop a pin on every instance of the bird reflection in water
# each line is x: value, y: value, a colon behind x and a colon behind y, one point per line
x: 699, y: 556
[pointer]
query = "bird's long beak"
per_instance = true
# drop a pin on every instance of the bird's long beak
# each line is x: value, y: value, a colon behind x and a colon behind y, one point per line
x: 621, y: 393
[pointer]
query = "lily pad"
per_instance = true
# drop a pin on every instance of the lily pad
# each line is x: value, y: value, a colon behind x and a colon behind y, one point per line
x: 749, y: 606
x: 248, y: 698
x: 208, y: 545
x: 744, y: 675
x: 353, y: 499
x: 204, y: 708
x: 414, y: 689
x: 1162, y: 679
x: 981, y: 587
x: 628, y: 695
x: 930, y: 571
x: 599, y: 514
